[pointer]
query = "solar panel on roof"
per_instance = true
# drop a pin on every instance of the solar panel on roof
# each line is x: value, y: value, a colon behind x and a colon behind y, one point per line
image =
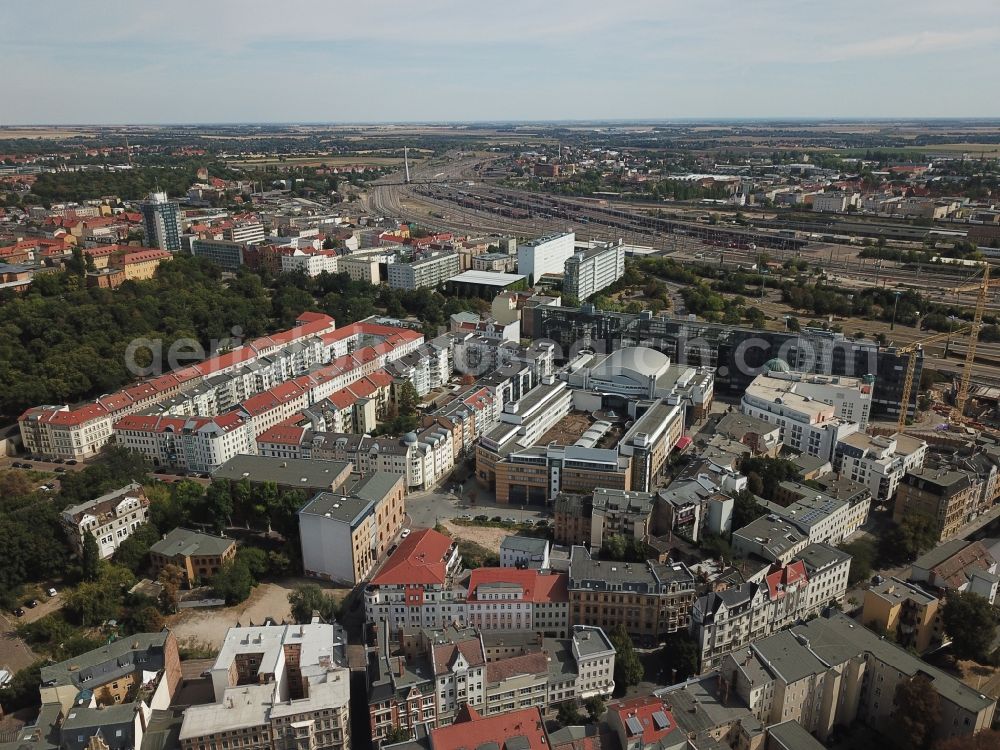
x: 660, y: 720
x: 633, y: 724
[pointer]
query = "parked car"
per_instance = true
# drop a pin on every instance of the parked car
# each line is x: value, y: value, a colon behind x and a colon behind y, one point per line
x: 508, y: 519
x: 72, y: 461
x: 18, y: 611
x: 25, y: 466
x: 51, y: 591
x: 60, y: 470
x: 405, y: 533
x: 58, y: 460
x: 16, y: 465
x: 31, y: 603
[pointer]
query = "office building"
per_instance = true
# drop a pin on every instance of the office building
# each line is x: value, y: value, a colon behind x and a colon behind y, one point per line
x: 736, y: 354
x: 806, y: 423
x: 427, y: 273
x: 161, y: 220
x: 276, y: 687
x: 343, y: 534
x: 226, y: 254
x: 485, y: 284
x: 110, y: 519
x: 546, y: 254
x: 597, y: 267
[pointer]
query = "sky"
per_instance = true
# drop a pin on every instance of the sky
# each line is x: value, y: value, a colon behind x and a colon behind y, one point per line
x: 213, y: 61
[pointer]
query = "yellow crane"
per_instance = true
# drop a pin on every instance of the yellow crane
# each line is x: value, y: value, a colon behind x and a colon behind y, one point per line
x: 982, y: 287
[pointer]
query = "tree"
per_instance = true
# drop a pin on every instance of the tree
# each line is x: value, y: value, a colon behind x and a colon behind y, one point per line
x: 171, y: 579
x: 918, y: 711
x: 217, y: 507
x: 147, y: 619
x: 679, y: 657
x: 256, y: 561
x: 595, y: 706
x: 628, y: 668
x: 569, y: 714
x: 90, y: 560
x: 915, y: 534
x: 746, y: 508
x: 613, y: 547
x: 396, y: 734
x: 133, y: 552
x: 971, y: 623
x: 862, y: 552
x: 794, y: 325
x: 305, y: 600
x: 233, y: 582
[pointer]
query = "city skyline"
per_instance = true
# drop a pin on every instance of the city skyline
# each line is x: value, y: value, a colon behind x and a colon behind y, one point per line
x: 444, y: 61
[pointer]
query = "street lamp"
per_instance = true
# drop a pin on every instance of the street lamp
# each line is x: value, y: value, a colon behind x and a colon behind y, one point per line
x: 892, y: 326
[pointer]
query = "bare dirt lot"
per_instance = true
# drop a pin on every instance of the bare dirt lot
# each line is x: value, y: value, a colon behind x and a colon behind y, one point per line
x: 487, y: 536
x: 208, y: 626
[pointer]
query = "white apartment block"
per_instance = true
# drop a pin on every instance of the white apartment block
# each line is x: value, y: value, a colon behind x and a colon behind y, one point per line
x: 727, y: 620
x: 245, y: 232
x: 110, y: 519
x: 592, y: 269
x: 194, y: 443
x: 276, y: 687
x: 311, y: 263
x: 806, y: 424
x: 851, y: 398
x: 547, y: 254
x: 822, y: 518
x: 429, y: 272
x: 878, y: 462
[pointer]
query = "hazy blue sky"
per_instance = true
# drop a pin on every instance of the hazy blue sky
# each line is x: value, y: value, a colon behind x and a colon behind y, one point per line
x: 150, y: 61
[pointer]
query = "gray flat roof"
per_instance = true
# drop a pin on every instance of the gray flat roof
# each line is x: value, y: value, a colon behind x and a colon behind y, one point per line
x: 494, y: 278
x: 289, y: 472
x: 790, y: 735
x: 187, y: 543
x: 525, y: 544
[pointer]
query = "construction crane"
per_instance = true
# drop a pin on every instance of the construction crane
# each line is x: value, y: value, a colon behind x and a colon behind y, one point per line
x: 982, y: 287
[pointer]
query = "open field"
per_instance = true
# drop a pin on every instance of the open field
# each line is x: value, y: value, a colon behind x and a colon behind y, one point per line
x: 488, y: 536
x: 41, y: 133
x: 209, y: 626
x: 329, y: 161
x: 986, y: 148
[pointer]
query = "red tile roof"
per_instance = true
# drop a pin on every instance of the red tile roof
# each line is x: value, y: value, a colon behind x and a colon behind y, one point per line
x: 537, y: 586
x: 642, y: 709
x: 533, y: 663
x: 779, y: 581
x: 283, y: 434
x: 421, y: 559
x: 471, y: 730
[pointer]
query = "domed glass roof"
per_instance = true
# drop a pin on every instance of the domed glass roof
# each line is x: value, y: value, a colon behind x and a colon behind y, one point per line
x: 777, y: 365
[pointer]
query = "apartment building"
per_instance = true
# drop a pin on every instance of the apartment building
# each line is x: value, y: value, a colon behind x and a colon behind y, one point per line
x: 425, y: 678
x: 343, y: 534
x: 200, y: 444
x: 589, y: 520
x: 107, y: 697
x: 879, y: 462
x: 161, y: 220
x: 546, y: 254
x: 310, y: 262
x: 597, y: 267
x: 427, y: 273
x: 821, y: 517
x: 110, y: 519
x: 832, y: 672
x: 523, y: 730
x: 287, y: 474
x: 245, y: 232
x: 199, y: 556
x: 276, y: 687
x: 517, y: 599
x: 80, y: 433
x: 942, y: 495
x: 650, y: 599
x: 905, y: 612
x: 524, y: 552
x: 416, y: 585
x: 959, y: 565
x: 727, y: 620
x: 806, y: 423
